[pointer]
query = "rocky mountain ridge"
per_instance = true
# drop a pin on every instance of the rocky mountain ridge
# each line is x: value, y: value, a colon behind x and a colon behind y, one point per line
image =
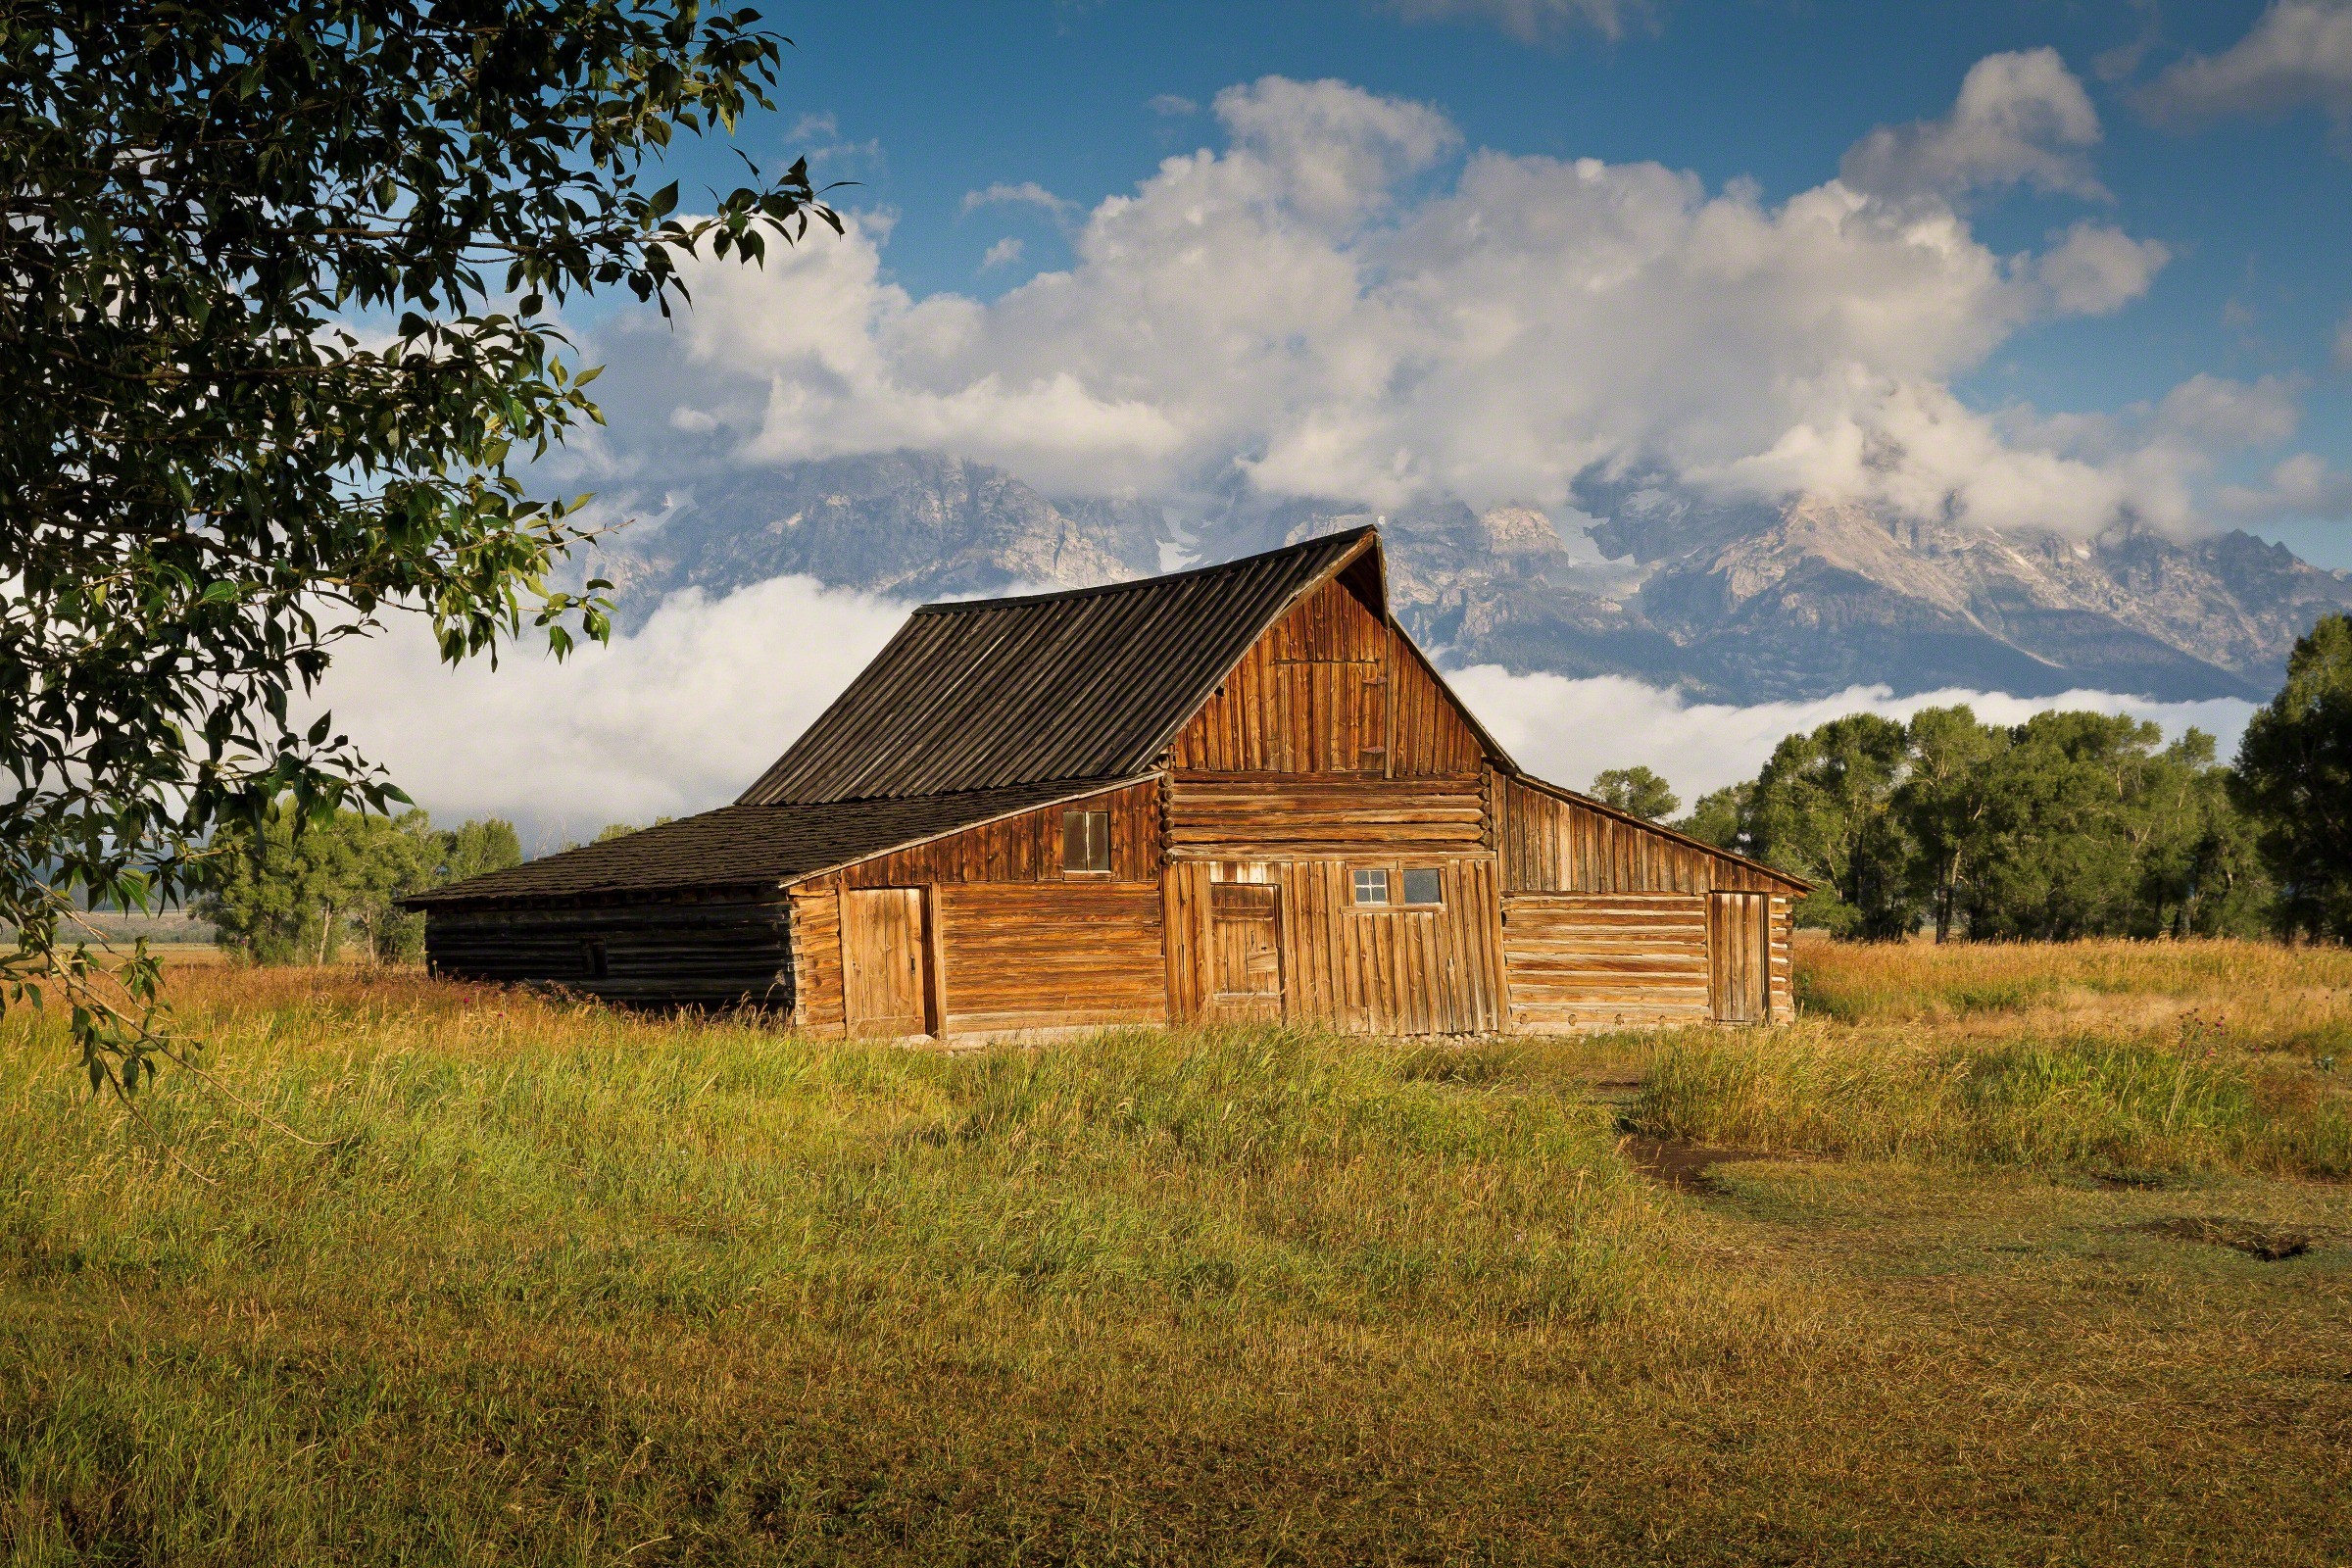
x: 1731, y: 603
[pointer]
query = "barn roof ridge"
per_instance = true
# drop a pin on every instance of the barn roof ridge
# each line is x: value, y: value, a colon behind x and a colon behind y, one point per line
x: 1080, y: 683
x: 1157, y: 579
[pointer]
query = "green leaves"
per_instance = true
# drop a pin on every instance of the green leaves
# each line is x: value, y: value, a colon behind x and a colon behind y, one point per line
x: 209, y: 476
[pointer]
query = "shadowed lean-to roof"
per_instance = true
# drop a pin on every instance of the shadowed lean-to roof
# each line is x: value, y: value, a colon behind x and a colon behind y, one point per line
x: 749, y: 846
x: 1089, y: 684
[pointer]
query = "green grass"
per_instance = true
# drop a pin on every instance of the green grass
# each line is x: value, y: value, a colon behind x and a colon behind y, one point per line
x: 534, y: 1284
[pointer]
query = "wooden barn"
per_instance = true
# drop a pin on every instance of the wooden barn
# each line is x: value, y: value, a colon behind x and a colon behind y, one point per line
x: 1234, y: 793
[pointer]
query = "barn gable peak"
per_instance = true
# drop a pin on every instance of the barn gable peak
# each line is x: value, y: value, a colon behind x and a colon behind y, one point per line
x: 1087, y: 683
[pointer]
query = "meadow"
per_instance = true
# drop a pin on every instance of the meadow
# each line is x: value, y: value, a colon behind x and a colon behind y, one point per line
x: 2031, y: 1254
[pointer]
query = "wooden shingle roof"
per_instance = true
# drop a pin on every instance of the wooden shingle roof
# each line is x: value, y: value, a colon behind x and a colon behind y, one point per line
x: 1089, y: 684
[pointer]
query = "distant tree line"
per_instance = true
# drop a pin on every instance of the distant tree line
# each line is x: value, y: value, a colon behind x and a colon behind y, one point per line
x: 2071, y: 824
x: 295, y: 891
x: 310, y: 892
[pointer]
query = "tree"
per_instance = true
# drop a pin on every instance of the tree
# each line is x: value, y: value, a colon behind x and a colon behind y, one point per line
x: 295, y: 889
x: 1943, y: 801
x: 277, y: 285
x: 1823, y: 808
x: 1637, y: 790
x: 1720, y: 816
x: 2294, y: 776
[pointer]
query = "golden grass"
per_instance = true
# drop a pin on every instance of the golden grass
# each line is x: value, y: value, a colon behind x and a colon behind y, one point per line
x: 553, y: 1285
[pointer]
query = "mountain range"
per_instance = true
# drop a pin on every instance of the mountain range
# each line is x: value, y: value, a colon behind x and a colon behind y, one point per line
x: 1729, y: 603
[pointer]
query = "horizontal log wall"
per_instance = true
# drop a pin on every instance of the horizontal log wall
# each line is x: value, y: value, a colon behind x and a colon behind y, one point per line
x: 1050, y: 957
x: 691, y: 950
x: 1274, y: 816
x: 1784, y: 970
x: 818, y: 982
x: 1594, y: 961
x: 1022, y: 849
x: 1556, y: 846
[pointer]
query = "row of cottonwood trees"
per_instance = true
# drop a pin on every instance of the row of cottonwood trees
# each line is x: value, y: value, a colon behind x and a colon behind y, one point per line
x: 307, y: 892
x: 2071, y: 824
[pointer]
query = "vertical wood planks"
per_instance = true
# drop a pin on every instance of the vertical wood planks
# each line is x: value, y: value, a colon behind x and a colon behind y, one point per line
x: 884, y: 964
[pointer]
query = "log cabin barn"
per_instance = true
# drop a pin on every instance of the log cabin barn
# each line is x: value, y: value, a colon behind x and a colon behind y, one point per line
x: 1237, y: 793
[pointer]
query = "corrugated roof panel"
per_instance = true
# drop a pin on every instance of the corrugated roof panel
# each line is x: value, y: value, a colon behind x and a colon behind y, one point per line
x: 1084, y: 684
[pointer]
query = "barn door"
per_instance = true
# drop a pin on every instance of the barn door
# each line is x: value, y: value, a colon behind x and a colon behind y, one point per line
x: 882, y: 962
x: 1245, y: 952
x: 1739, y: 961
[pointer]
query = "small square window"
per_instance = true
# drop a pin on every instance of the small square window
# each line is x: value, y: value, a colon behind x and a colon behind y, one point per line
x: 1371, y: 887
x: 1422, y: 885
x: 1086, y: 841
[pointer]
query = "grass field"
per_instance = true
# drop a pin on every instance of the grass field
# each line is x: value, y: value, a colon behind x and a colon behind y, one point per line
x: 527, y: 1283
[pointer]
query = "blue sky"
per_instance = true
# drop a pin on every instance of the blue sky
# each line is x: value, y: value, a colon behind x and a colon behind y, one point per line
x: 925, y: 105
x: 2060, y: 267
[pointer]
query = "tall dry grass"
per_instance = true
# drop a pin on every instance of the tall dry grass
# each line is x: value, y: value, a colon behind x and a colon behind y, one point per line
x: 2123, y: 1058
x: 534, y: 1283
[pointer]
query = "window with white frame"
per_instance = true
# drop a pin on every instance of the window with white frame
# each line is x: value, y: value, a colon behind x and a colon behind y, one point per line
x: 1371, y: 887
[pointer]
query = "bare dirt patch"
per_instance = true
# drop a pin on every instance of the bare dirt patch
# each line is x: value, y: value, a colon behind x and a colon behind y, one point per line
x: 2265, y: 1241
x: 1685, y: 1168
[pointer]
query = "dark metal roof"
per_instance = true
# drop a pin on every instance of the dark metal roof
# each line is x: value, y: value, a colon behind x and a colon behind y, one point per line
x: 1089, y: 684
x: 752, y: 846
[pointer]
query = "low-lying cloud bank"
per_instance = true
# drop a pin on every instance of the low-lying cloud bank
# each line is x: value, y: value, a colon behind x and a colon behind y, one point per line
x: 681, y: 716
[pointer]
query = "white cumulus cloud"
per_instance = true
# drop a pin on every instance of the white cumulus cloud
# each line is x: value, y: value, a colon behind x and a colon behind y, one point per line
x: 2299, y: 52
x: 1324, y: 306
x: 2021, y: 118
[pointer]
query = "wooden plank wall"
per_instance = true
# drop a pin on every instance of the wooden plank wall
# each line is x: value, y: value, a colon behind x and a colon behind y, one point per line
x: 1783, y: 971
x: 1395, y: 972
x: 1556, y: 846
x: 1309, y: 697
x: 1051, y: 956
x: 1598, y: 959
x: 1019, y: 944
x: 1430, y: 736
x: 1222, y: 816
x: 1022, y: 849
x: 1331, y: 688
x: 708, y: 950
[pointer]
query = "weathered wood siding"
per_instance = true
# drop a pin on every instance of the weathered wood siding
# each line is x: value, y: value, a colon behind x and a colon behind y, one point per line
x: 1332, y: 688
x: 693, y: 950
x: 1396, y: 970
x: 1257, y: 816
x: 1051, y: 956
x: 1554, y: 846
x: 1010, y: 941
x: 1585, y: 959
x: 819, y: 988
x: 1429, y: 735
x: 1309, y: 697
x: 1022, y: 849
x: 1783, y: 971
